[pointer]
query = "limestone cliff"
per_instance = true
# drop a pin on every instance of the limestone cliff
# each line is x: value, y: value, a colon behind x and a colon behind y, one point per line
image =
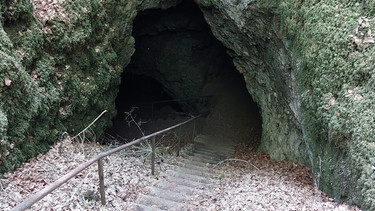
x: 308, y: 64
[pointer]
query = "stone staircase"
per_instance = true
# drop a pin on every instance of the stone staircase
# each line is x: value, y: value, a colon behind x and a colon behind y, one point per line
x: 186, y: 180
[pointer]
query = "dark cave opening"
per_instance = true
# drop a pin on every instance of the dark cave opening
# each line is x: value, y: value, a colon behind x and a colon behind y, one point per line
x: 144, y: 94
x: 179, y: 62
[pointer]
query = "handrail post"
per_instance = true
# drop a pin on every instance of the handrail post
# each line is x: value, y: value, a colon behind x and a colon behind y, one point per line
x: 101, y: 181
x: 178, y: 142
x: 193, y: 134
x: 153, y: 156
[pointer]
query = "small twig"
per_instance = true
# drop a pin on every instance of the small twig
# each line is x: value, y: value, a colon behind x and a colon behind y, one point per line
x: 234, y: 159
x: 317, y: 178
x: 1, y: 186
x: 130, y: 118
x: 84, y: 130
x: 64, y: 136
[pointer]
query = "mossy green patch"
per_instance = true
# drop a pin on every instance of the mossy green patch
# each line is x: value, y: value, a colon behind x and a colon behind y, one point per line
x: 63, y: 72
x: 20, y: 10
x: 336, y: 78
x: 205, y: 3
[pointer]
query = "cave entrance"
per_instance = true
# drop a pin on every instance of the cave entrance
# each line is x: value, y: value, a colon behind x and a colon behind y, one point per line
x: 145, y: 97
x: 143, y: 101
x: 178, y: 60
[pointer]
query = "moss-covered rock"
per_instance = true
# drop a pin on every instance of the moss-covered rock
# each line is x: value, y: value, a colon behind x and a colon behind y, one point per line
x: 59, y: 70
x: 309, y: 65
x: 336, y: 81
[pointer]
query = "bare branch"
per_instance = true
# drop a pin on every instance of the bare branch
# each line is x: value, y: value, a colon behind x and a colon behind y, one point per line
x: 233, y: 159
x: 129, y: 118
x: 84, y: 130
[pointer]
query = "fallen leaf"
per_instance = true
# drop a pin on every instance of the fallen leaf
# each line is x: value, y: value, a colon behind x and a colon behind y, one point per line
x: 7, y: 81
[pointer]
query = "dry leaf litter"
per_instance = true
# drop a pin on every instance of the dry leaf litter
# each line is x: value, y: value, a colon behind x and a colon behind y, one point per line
x: 126, y: 175
x: 252, y: 182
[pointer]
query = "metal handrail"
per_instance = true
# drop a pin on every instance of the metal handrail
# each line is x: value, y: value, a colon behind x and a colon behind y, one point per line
x: 27, y: 203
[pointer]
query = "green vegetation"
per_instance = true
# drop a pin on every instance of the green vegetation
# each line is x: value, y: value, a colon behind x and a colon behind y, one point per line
x: 58, y: 72
x: 334, y: 55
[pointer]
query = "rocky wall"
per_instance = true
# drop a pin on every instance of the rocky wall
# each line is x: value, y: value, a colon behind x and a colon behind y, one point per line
x: 309, y: 67
x: 60, y: 67
x: 262, y: 59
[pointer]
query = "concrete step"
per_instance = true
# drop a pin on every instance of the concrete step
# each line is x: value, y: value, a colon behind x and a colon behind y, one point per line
x: 187, y: 176
x: 201, y: 164
x: 141, y: 207
x: 187, y: 179
x: 203, y: 157
x: 216, y: 158
x: 203, y: 160
x: 201, y: 167
x: 169, y: 194
x: 160, y: 203
x: 170, y: 185
x: 202, y: 147
x: 213, y: 143
x: 187, y: 182
x: 211, y: 153
x: 203, y: 172
x: 203, y: 154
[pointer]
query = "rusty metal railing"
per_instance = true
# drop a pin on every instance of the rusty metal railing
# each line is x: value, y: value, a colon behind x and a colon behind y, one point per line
x: 27, y: 203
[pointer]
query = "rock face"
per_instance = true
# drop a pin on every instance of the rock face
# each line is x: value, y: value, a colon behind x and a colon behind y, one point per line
x: 309, y: 66
x: 316, y: 98
x: 60, y: 67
